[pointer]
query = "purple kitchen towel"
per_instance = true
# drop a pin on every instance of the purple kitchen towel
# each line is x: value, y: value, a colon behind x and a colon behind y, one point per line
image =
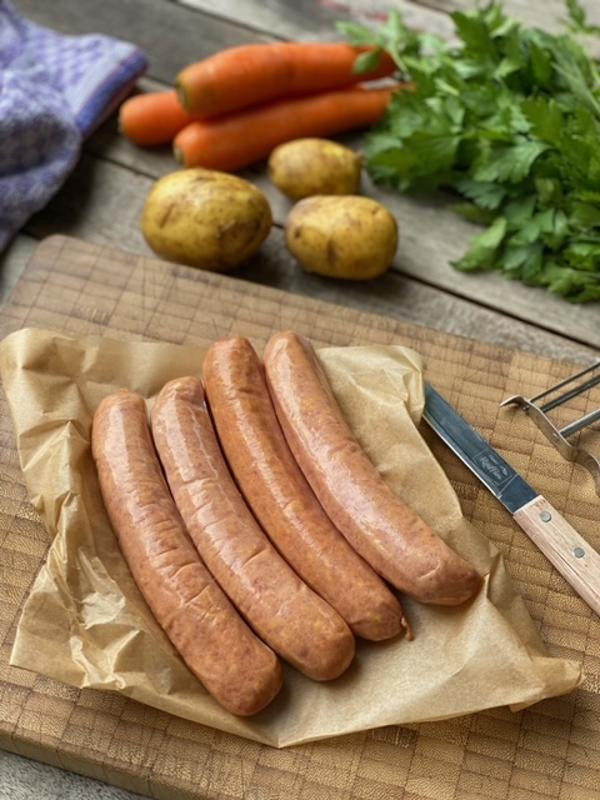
x: 54, y: 91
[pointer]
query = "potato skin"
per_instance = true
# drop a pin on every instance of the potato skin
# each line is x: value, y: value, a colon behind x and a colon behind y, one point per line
x: 206, y: 219
x: 307, y: 167
x: 342, y: 237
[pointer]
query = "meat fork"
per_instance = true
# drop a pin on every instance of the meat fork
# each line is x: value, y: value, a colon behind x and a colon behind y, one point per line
x: 587, y: 378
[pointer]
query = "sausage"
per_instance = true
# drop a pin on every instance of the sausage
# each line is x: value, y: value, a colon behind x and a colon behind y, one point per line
x: 290, y: 617
x: 281, y: 499
x: 388, y: 534
x: 239, y: 670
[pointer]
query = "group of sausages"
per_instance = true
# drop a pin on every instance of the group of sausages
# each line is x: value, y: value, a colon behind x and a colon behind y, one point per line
x: 273, y: 533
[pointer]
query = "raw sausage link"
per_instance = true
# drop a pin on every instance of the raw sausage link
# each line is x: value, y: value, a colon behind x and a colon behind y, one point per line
x: 282, y: 500
x: 297, y: 623
x: 388, y: 534
x: 239, y: 670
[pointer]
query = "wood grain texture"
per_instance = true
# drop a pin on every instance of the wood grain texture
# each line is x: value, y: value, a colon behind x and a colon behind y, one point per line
x: 564, y: 547
x: 430, y: 236
x: 398, y: 296
x: 111, y: 215
x: 99, y: 203
x: 310, y: 19
x: 549, y: 750
x: 171, y: 35
x: 549, y: 15
x: 13, y: 261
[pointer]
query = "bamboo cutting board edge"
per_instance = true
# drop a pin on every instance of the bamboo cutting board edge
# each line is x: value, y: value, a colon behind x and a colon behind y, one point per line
x: 548, y: 751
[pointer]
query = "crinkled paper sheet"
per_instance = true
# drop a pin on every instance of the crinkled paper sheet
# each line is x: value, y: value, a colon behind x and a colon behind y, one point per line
x: 86, y: 624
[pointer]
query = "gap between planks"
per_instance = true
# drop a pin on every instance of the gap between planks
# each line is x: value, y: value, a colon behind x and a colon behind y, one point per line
x: 430, y: 237
x: 392, y: 295
x: 189, y: 758
x: 431, y: 234
x: 550, y: 15
x: 312, y: 18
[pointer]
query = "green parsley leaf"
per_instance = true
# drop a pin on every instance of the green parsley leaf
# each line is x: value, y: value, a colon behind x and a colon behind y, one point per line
x: 368, y: 61
x: 473, y: 213
x: 481, y: 254
x: 485, y: 195
x: 578, y: 18
x: 545, y: 117
x: 509, y: 163
x: 509, y: 118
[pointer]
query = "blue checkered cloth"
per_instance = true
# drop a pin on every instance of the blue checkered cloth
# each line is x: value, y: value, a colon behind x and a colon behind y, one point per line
x: 54, y: 91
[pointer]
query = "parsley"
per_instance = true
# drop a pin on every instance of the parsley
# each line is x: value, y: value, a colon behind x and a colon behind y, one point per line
x: 510, y: 119
x: 577, y: 21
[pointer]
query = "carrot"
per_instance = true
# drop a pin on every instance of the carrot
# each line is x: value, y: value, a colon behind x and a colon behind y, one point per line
x: 245, y: 76
x: 233, y: 142
x: 153, y: 118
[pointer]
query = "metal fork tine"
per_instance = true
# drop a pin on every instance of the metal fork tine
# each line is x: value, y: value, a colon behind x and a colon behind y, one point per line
x: 560, y: 385
x: 581, y: 423
x: 558, y: 401
x: 572, y: 452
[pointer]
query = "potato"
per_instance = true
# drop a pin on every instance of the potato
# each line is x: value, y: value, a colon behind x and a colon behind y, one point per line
x: 206, y: 219
x: 307, y: 167
x: 342, y: 237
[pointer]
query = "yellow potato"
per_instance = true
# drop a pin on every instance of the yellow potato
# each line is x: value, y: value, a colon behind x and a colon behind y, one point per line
x: 342, y: 237
x: 307, y: 167
x: 206, y: 219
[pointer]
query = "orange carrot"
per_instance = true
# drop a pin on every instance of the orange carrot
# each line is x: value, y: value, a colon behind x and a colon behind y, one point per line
x: 234, y: 142
x: 245, y: 76
x: 153, y: 118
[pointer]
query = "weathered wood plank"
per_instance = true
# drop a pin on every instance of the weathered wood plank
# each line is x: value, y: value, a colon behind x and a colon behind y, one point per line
x: 398, y: 296
x: 102, y: 202
x: 310, y: 19
x: 431, y: 237
x: 174, y: 34
x: 549, y: 14
x: 393, y: 294
x: 21, y: 779
x: 13, y: 261
x: 170, y: 34
x: 431, y: 234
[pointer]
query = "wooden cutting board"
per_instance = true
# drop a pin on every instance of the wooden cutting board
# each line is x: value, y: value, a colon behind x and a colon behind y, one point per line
x: 549, y: 750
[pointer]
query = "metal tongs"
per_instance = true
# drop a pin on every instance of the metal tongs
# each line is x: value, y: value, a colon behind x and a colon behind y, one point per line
x: 587, y: 378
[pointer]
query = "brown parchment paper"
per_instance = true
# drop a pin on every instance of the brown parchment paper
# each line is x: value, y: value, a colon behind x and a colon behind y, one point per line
x: 86, y: 624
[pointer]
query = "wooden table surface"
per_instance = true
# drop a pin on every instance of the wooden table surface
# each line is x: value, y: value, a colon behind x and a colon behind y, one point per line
x: 103, y: 198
